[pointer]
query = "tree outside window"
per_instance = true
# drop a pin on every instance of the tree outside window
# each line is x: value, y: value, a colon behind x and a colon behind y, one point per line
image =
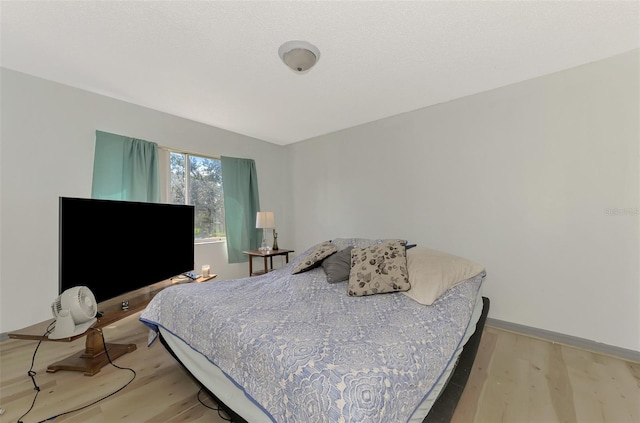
x: 197, y: 180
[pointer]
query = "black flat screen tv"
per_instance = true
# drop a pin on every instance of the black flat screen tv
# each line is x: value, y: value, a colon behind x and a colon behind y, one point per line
x: 115, y: 247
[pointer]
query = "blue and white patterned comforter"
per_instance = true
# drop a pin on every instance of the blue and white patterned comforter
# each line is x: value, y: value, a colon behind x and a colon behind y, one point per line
x: 305, y: 351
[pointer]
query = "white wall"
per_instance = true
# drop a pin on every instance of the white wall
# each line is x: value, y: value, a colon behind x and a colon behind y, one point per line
x: 48, y: 137
x: 538, y: 181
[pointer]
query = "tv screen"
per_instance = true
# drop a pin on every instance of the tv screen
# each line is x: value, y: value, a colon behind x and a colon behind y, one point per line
x: 114, y: 247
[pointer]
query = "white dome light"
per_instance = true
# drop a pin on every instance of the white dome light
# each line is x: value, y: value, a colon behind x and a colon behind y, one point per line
x: 299, y: 55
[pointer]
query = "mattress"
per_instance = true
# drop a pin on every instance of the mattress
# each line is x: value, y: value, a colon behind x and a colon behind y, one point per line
x: 297, y: 348
x: 234, y: 397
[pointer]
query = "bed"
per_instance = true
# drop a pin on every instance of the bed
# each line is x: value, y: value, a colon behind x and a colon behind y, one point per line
x: 301, y: 346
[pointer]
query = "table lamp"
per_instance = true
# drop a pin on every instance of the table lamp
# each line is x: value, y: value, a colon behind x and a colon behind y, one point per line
x: 265, y: 220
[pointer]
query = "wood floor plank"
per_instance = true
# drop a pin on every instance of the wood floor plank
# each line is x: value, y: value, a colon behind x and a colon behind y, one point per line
x: 515, y: 378
x: 604, y: 387
x: 468, y: 406
x: 560, y: 387
x: 541, y: 405
x: 509, y: 396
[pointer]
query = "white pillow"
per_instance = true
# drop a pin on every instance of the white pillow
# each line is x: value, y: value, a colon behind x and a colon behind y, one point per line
x: 432, y: 273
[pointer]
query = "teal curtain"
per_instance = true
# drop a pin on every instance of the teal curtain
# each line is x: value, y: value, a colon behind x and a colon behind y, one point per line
x: 241, y: 204
x: 125, y: 169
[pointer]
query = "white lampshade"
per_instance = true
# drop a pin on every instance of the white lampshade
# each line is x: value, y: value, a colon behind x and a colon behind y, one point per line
x: 265, y: 220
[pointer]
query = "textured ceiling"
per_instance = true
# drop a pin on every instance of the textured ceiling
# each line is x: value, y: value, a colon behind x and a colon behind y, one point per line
x: 217, y: 62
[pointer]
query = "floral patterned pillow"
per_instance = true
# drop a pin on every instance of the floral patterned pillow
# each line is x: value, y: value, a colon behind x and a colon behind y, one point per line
x: 314, y: 257
x: 378, y: 269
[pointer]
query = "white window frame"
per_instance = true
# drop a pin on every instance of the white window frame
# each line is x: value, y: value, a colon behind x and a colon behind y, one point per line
x: 165, y: 186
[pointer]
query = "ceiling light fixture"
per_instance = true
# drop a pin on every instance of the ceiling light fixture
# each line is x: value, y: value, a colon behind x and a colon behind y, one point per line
x: 299, y: 55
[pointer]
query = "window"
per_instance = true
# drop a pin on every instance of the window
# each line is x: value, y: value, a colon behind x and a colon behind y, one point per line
x: 197, y: 180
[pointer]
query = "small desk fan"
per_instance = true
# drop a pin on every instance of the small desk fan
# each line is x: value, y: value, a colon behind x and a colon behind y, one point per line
x: 75, y: 311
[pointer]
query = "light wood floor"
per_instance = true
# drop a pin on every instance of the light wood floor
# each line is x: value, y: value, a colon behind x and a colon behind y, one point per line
x: 515, y: 379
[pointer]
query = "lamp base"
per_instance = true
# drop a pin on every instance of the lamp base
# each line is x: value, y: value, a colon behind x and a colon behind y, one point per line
x: 264, y: 247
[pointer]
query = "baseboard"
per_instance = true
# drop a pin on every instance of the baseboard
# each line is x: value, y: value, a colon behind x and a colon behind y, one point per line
x: 572, y: 341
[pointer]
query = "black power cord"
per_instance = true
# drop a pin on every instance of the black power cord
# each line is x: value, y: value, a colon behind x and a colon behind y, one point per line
x: 32, y: 374
x: 218, y: 409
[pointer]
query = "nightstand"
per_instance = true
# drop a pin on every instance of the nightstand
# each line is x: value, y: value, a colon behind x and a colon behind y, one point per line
x: 265, y: 254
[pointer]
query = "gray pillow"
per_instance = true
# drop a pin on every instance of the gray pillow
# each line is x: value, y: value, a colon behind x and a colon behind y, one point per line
x: 338, y: 266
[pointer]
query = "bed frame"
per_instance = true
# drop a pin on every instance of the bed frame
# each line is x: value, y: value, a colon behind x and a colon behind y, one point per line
x: 442, y: 409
